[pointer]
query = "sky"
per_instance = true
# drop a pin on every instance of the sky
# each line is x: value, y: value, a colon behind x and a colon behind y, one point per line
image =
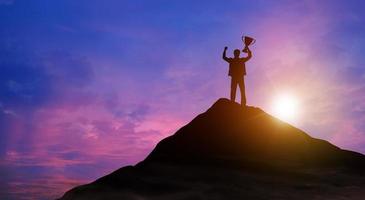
x: 88, y: 86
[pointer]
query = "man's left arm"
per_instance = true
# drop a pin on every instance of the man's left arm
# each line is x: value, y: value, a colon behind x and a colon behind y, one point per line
x: 249, y: 55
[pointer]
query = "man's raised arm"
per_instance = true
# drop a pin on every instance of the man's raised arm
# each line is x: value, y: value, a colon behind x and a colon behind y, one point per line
x: 249, y: 55
x: 224, y: 54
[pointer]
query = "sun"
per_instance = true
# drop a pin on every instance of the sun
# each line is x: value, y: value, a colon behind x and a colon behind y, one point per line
x: 285, y: 107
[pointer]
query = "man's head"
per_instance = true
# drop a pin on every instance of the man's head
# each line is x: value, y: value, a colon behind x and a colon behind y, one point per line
x: 236, y: 53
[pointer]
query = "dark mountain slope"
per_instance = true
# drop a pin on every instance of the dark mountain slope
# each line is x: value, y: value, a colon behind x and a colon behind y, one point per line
x: 230, y: 152
x: 227, y: 132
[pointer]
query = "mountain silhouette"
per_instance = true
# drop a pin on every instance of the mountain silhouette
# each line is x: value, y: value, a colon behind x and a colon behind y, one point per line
x: 235, y: 152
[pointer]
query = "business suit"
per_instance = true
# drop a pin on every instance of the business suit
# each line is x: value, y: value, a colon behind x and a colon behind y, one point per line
x: 237, y: 71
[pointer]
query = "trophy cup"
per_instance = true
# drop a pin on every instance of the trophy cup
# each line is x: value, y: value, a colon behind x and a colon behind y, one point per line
x: 247, y: 41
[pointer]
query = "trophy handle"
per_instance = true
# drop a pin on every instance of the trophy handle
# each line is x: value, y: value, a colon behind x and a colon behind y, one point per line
x: 245, y: 47
x: 253, y: 41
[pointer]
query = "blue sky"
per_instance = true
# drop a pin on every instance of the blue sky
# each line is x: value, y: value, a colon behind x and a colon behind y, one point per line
x: 87, y: 86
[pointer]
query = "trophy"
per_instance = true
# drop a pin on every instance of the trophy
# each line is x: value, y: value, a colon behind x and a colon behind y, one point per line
x: 247, y: 41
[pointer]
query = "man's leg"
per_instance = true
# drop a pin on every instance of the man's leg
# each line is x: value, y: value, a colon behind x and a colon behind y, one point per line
x: 233, y: 89
x: 241, y: 84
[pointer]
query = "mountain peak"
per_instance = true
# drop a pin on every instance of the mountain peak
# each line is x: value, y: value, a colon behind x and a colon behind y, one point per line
x: 224, y: 108
x: 230, y: 133
x: 223, y: 102
x: 243, y: 143
x: 227, y: 106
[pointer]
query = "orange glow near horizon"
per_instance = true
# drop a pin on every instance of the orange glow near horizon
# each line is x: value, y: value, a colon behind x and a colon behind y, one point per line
x: 286, y: 107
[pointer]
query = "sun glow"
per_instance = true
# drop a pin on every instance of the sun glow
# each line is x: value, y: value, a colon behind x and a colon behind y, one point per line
x: 285, y: 107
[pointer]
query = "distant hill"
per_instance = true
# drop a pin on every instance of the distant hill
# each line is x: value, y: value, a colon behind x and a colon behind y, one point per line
x: 231, y: 152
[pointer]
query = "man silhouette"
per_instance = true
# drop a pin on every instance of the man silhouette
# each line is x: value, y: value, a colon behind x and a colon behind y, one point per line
x: 237, y: 71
